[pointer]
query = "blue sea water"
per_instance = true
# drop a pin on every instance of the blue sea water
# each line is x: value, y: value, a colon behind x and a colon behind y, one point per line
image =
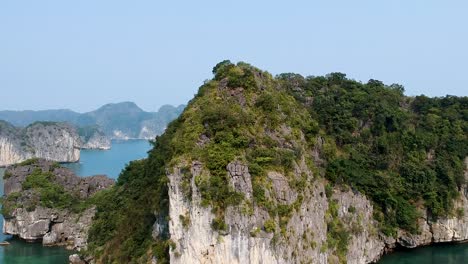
x: 110, y: 162
x: 92, y: 162
x: 437, y: 254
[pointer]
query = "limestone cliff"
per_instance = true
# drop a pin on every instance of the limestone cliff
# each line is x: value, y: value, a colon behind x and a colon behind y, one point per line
x: 304, y: 239
x: 97, y: 141
x: 53, y: 141
x: 287, y: 169
x: 50, y: 209
x: 92, y: 137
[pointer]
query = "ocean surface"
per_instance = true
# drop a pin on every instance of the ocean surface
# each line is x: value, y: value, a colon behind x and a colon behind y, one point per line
x: 438, y: 254
x: 92, y: 162
x: 111, y: 162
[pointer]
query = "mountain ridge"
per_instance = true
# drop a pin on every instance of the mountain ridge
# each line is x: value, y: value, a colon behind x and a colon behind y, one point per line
x: 122, y: 120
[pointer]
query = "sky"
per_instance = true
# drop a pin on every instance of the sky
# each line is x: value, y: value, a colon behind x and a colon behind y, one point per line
x: 82, y: 54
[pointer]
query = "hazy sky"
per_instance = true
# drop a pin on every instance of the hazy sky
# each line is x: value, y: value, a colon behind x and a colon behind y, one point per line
x: 82, y: 54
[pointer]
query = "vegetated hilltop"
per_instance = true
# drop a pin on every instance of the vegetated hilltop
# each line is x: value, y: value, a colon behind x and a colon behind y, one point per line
x: 49, y: 140
x: 289, y: 169
x: 120, y: 121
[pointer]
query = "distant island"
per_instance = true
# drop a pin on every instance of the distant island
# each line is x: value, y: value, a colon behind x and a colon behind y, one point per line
x: 123, y: 120
x: 58, y: 135
x: 59, y: 142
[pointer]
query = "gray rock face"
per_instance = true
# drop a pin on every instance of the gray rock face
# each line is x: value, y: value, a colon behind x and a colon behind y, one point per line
x: 305, y: 237
x: 98, y: 142
x: 94, y: 138
x: 52, y: 226
x: 241, y: 179
x: 75, y: 259
x: 84, y: 186
x: 53, y: 141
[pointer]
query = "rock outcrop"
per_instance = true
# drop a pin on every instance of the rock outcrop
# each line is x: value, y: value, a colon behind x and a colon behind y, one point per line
x: 94, y: 138
x: 286, y: 169
x: 53, y: 227
x: 31, y: 220
x: 304, y: 238
x: 53, y: 141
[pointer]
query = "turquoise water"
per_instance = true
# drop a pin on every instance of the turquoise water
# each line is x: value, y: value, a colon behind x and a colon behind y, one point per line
x: 109, y: 162
x: 439, y: 254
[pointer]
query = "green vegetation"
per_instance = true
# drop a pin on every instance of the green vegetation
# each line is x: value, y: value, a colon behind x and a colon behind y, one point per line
x: 51, y: 194
x: 337, y: 235
x: 185, y: 220
x: 399, y: 151
x: 40, y: 189
x: 9, y: 203
x: 28, y: 162
x: 270, y: 226
x: 233, y: 131
x: 123, y: 223
x: 7, y: 175
x: 218, y: 224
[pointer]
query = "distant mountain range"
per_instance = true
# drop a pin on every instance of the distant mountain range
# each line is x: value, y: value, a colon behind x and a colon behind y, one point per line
x: 118, y: 121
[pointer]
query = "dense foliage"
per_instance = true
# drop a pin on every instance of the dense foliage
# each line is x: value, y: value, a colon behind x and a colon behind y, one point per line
x: 51, y: 194
x: 125, y: 215
x: 400, y: 151
x: 232, y: 132
x: 40, y: 189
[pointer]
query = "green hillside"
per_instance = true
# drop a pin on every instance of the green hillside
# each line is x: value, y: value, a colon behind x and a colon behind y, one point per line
x: 402, y: 152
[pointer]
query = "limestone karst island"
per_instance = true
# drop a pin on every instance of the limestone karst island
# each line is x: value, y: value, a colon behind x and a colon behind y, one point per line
x: 243, y: 133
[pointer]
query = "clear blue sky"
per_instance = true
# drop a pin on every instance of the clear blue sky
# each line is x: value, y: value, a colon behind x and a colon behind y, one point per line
x: 82, y: 54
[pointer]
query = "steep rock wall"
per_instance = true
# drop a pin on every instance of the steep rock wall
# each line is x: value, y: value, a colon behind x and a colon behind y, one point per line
x: 97, y: 141
x: 53, y: 141
x: 11, y: 152
x: 54, y: 227
x: 57, y: 142
x: 304, y: 239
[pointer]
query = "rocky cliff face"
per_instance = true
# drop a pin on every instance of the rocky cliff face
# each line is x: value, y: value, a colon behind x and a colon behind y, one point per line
x: 51, y: 226
x: 304, y: 239
x: 53, y: 141
x: 246, y: 240
x: 286, y: 169
x: 94, y: 138
x: 29, y: 219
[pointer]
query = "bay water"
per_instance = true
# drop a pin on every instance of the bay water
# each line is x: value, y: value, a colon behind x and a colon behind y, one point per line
x: 436, y: 254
